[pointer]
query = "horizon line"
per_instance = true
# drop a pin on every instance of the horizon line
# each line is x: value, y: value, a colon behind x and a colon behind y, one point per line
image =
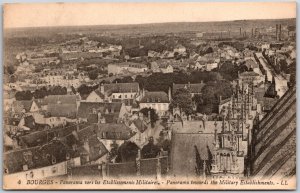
x: 147, y: 23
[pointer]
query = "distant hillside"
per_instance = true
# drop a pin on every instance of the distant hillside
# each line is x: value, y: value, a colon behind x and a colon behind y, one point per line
x: 155, y: 28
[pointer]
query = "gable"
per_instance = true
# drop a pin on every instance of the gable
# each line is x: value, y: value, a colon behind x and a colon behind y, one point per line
x: 34, y: 107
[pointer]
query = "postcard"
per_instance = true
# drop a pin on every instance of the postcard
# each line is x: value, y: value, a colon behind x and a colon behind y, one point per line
x: 149, y: 96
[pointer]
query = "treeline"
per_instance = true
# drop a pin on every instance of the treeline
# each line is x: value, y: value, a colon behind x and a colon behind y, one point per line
x: 40, y: 93
x: 162, y: 82
x: 237, y: 45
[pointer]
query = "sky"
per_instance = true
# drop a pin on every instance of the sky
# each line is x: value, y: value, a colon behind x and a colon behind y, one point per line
x: 77, y: 14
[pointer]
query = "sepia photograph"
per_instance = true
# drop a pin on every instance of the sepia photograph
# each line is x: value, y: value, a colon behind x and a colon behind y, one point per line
x: 149, y: 96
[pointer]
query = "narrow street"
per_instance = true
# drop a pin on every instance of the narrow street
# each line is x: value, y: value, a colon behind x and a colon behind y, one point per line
x: 281, y: 82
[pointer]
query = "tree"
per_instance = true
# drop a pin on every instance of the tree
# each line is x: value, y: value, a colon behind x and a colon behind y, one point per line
x: 85, y: 90
x: 211, y: 93
x: 40, y: 93
x: 150, y: 150
x: 10, y: 69
x: 93, y: 75
x: 23, y: 95
x: 73, y: 89
x: 127, y: 152
x: 153, y: 115
x: 183, y: 100
x: 229, y: 71
x: 127, y: 79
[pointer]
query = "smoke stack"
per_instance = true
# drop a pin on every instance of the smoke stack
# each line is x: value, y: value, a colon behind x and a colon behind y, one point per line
x: 276, y: 31
x: 240, y: 31
x: 252, y: 32
x: 279, y: 33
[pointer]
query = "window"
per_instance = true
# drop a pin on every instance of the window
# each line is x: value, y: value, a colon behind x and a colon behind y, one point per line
x: 125, y: 96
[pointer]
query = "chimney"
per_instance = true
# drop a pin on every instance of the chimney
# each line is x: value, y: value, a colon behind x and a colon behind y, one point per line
x: 279, y: 33
x: 240, y: 31
x: 252, y: 34
x: 276, y: 31
x: 220, y: 98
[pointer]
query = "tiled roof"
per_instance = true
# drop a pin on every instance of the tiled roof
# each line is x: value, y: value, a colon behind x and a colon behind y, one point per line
x: 60, y: 99
x: 62, y: 110
x: 114, y: 131
x: 183, y: 151
x: 36, y: 157
x: 45, y: 135
x: 251, y: 64
x: 86, y: 132
x: 121, y: 88
x: 98, y: 92
x: 86, y: 108
x: 140, y: 124
x: 155, y: 97
x: 34, y: 139
x: 97, y: 149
